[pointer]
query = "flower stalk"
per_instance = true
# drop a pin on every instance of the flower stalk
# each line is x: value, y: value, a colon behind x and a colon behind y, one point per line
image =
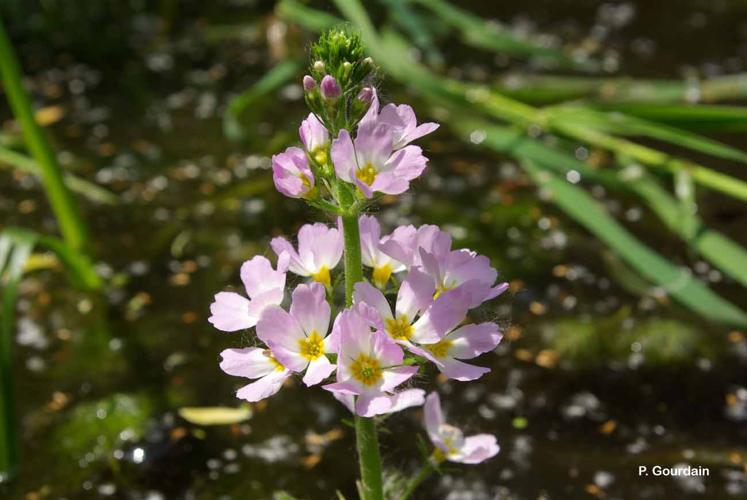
x: 366, y: 437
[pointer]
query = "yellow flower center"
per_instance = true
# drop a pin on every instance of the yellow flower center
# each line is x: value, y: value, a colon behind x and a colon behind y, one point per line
x: 312, y: 346
x: 441, y: 288
x: 366, y: 370
x: 304, y: 180
x: 399, y: 329
x: 381, y: 275
x: 440, y: 349
x: 438, y: 455
x: 278, y: 366
x: 322, y: 276
x: 367, y: 174
x: 320, y: 156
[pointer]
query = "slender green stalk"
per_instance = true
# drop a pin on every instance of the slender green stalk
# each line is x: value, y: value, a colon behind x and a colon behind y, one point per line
x: 367, y: 441
x: 72, y: 225
x: 425, y: 471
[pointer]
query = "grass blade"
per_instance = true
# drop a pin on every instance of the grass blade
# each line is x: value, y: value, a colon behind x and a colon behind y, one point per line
x: 241, y: 104
x: 83, y: 187
x: 675, y: 281
x: 724, y: 253
x: 66, y: 211
x: 704, y: 118
x: 624, y: 125
x: 14, y: 251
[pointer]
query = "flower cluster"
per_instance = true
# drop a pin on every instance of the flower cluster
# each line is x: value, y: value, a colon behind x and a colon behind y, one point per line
x: 408, y: 311
x: 373, y: 343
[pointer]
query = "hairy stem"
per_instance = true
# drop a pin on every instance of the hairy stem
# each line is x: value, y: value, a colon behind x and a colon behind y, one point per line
x: 423, y: 473
x: 366, y: 438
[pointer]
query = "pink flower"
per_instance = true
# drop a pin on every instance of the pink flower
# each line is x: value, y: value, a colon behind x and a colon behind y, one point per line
x: 372, y: 255
x: 429, y: 248
x: 298, y: 339
x: 414, y: 296
x: 405, y: 243
x: 445, y: 343
x: 372, y: 164
x: 398, y: 402
x: 319, y: 251
x: 254, y: 363
x: 291, y: 173
x: 450, y: 442
x: 400, y: 119
x: 315, y: 138
x: 369, y: 365
x: 463, y: 269
x: 264, y: 286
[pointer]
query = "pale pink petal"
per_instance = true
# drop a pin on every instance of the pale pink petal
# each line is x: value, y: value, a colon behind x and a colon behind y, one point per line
x: 402, y: 244
x: 264, y: 300
x: 259, y: 277
x: 373, y: 144
x: 343, y: 157
x: 373, y: 111
x: 471, y: 340
x: 407, y: 399
x: 295, y: 265
x: 458, y: 370
x: 476, y: 449
x: 263, y: 387
x: 346, y: 387
x: 434, y: 418
x: 318, y: 370
x: 310, y: 309
x: 230, y: 312
x: 415, y: 294
x: 385, y: 349
x: 369, y: 294
x: 251, y: 362
x: 313, y: 134
x: 278, y: 327
x: 370, y: 232
x: 396, y: 376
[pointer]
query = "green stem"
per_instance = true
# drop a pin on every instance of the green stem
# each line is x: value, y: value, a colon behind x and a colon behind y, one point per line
x: 72, y: 225
x: 422, y: 474
x: 366, y: 438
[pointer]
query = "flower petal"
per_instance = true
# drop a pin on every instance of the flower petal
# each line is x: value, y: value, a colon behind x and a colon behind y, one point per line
x: 476, y: 449
x: 396, y: 376
x: 471, y: 340
x: 251, y: 362
x: 264, y: 387
x: 310, y: 309
x: 463, y: 372
x: 343, y: 156
x: 369, y: 294
x: 433, y: 416
x: 259, y: 277
x: 415, y: 294
x: 230, y: 312
x: 318, y: 370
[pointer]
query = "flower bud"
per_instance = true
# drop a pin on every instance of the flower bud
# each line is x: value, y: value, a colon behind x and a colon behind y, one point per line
x: 319, y: 66
x: 365, y: 95
x: 308, y: 83
x: 330, y: 88
x: 368, y: 61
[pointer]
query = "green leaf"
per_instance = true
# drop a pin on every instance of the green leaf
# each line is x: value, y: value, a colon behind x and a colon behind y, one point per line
x: 247, y: 100
x: 620, y: 124
x: 313, y: 19
x: 215, y: 415
x: 675, y: 281
x: 704, y: 118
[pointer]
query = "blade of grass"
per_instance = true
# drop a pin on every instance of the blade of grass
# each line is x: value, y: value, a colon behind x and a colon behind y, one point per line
x: 549, y: 89
x: 66, y: 211
x: 411, y: 22
x: 83, y: 187
x: 14, y: 251
x: 675, y: 281
x: 620, y: 124
x: 724, y: 253
x: 241, y: 104
x: 704, y: 118
x: 313, y: 19
x: 478, y: 33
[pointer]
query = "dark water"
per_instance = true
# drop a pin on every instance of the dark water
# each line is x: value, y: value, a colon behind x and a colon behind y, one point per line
x: 592, y: 380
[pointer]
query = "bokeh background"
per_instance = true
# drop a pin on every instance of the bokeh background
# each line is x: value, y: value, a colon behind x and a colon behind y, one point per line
x: 174, y: 108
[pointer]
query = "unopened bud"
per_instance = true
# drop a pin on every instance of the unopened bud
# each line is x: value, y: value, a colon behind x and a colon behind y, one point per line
x: 319, y: 66
x: 308, y: 83
x: 368, y: 61
x: 330, y: 88
x: 365, y: 95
